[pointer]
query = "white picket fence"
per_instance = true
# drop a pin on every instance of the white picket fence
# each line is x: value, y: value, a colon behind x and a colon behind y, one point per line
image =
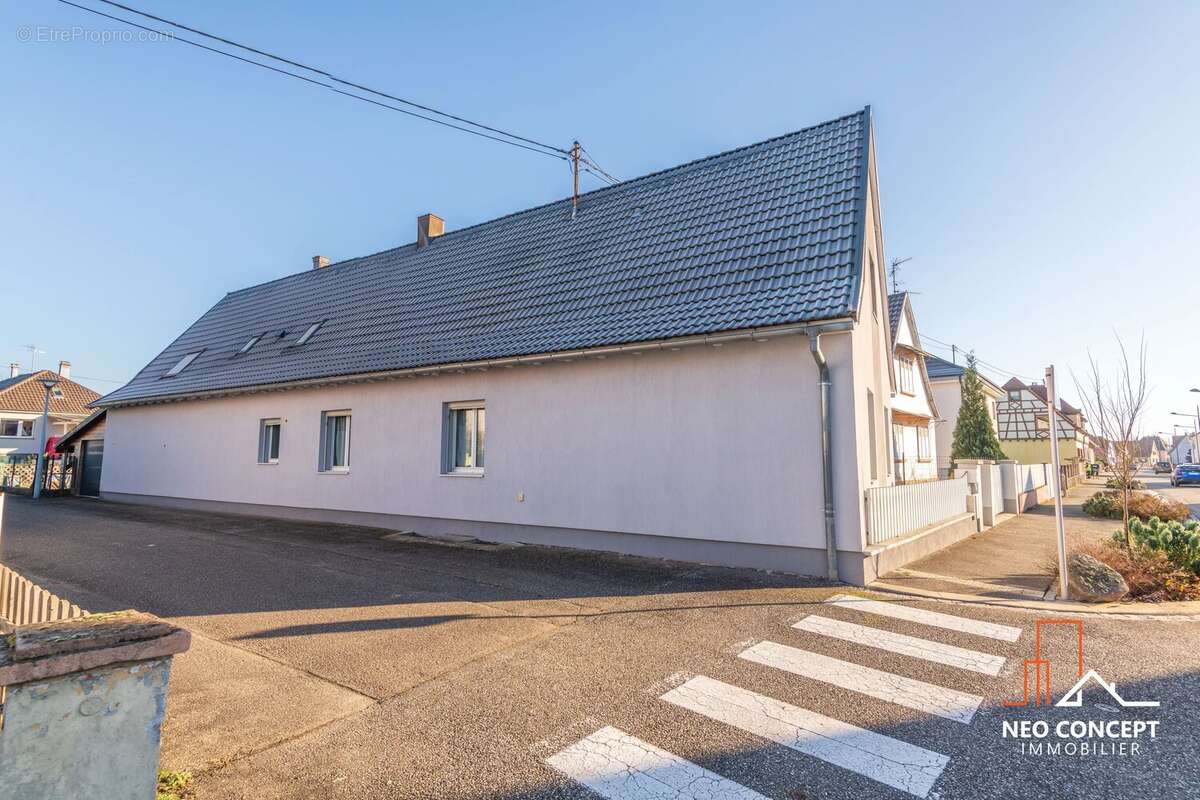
x: 894, y: 511
x: 23, y: 602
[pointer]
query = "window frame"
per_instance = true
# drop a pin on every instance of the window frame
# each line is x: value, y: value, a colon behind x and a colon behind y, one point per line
x: 924, y: 448
x: 20, y: 423
x: 898, y: 453
x: 450, y: 441
x: 325, y: 455
x: 264, y: 444
x: 183, y: 363
x: 907, y: 369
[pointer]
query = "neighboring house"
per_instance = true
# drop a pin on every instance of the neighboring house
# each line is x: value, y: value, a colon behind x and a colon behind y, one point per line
x: 86, y: 441
x: 1154, y: 449
x: 913, y: 412
x: 945, y: 379
x: 1024, y: 425
x: 1186, y: 449
x: 22, y: 399
x: 644, y: 376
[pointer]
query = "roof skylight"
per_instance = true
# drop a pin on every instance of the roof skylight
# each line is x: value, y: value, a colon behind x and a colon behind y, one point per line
x: 308, y: 334
x: 182, y: 364
x: 253, y: 341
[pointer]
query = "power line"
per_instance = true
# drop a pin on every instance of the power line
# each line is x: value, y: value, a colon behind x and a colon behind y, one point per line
x: 957, y: 348
x: 548, y: 150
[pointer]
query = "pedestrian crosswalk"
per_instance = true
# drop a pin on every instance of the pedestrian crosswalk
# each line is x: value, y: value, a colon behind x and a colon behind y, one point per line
x: 619, y: 766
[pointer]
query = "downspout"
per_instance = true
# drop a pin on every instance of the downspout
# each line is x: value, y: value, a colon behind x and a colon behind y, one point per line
x: 814, y: 346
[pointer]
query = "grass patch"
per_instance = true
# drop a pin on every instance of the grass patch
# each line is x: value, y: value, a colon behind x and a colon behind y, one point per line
x: 174, y: 784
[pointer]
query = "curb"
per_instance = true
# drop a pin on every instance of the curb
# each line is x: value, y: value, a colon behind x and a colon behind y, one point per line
x: 1183, y: 610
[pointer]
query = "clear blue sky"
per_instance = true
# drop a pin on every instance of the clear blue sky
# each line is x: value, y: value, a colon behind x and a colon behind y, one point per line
x: 1036, y: 160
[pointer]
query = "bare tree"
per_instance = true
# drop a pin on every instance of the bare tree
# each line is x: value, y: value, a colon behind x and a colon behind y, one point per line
x: 1115, y: 405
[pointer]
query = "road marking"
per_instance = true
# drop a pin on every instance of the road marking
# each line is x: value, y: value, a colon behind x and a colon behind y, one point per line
x: 881, y: 758
x: 908, y: 692
x: 940, y: 653
x: 618, y: 766
x: 950, y: 622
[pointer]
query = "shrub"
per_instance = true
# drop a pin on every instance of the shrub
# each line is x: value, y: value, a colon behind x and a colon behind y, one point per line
x: 1147, y: 504
x: 1178, y: 542
x: 1142, y: 505
x: 1117, y: 483
x: 1149, y: 574
x: 1103, y: 505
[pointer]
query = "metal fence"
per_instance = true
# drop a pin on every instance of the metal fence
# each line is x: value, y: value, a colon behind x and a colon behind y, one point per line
x: 894, y: 511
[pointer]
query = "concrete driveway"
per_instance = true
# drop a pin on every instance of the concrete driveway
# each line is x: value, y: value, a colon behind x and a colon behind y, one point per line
x: 330, y: 662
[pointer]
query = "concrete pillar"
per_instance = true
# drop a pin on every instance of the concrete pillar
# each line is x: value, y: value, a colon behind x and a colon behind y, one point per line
x: 1009, y: 491
x: 85, y: 704
x: 971, y: 468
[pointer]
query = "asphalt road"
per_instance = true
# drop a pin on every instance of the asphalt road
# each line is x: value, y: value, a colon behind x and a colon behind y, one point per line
x: 330, y: 662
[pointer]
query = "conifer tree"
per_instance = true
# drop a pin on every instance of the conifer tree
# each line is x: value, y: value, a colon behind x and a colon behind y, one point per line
x: 974, y: 433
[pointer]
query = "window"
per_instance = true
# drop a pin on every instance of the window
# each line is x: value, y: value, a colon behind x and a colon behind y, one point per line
x: 871, y: 435
x: 465, y: 430
x: 268, y: 441
x: 57, y: 392
x: 246, y: 347
x: 308, y: 334
x: 898, y: 441
x: 182, y: 364
x: 16, y: 427
x: 907, y: 373
x: 1014, y: 395
x: 874, y: 284
x: 923, y: 444
x: 335, y: 441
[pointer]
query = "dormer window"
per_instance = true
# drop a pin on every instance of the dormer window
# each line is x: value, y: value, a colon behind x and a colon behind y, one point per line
x: 308, y: 334
x: 249, y: 344
x: 182, y: 364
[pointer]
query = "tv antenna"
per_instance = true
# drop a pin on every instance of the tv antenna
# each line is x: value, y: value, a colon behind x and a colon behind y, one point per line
x: 34, y: 352
x: 894, y: 272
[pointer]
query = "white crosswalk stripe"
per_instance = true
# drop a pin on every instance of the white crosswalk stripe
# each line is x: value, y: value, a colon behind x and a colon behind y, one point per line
x: 937, y: 700
x: 935, y: 619
x: 618, y: 766
x: 905, y: 645
x: 881, y: 758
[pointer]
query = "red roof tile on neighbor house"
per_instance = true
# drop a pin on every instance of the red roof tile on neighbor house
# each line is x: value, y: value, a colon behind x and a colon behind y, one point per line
x: 26, y: 393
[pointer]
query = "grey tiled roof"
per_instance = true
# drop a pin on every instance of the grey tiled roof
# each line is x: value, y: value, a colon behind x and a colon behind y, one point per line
x: 895, y: 306
x: 764, y: 235
x: 941, y: 368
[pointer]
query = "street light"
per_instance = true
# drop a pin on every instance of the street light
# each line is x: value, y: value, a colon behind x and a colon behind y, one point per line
x: 49, y: 383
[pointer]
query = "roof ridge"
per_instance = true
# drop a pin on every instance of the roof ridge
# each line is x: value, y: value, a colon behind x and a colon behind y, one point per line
x: 531, y: 209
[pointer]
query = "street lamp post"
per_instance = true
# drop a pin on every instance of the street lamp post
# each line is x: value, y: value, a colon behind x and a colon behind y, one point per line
x: 49, y: 383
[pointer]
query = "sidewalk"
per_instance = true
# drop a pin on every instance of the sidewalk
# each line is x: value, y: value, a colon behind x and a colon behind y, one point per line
x: 1016, y: 559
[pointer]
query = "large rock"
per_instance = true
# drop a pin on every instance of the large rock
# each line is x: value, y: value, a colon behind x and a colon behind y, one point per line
x: 1093, y: 581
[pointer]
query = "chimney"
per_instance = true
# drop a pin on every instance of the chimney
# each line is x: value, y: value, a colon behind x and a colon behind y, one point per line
x: 14, y: 370
x: 429, y: 226
x: 64, y: 369
x: 320, y: 261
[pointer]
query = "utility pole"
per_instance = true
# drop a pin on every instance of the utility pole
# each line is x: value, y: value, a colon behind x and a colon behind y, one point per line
x: 575, y: 175
x: 1051, y: 405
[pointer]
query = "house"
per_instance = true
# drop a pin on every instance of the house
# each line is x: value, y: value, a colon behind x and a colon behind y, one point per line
x: 1153, y: 449
x: 655, y: 374
x: 945, y: 379
x: 1184, y: 449
x: 913, y: 411
x: 1024, y: 424
x: 22, y: 401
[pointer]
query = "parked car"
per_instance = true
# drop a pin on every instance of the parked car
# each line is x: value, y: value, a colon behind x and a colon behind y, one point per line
x: 1185, y: 473
x: 1162, y: 468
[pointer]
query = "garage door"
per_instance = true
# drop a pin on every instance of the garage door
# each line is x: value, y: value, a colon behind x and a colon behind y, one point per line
x: 93, y: 461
